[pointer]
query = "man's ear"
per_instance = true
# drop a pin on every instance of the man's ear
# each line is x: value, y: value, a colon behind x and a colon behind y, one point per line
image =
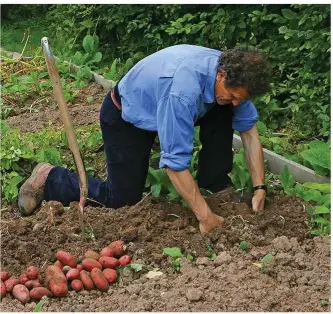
x: 221, y: 76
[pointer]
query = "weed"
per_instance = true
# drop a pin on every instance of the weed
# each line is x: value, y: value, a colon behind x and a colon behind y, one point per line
x: 175, y: 254
x: 243, y: 245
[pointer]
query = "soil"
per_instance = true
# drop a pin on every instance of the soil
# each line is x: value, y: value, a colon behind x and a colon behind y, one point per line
x: 296, y: 279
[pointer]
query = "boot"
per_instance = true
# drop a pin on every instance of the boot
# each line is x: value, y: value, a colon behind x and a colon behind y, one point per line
x: 32, y: 191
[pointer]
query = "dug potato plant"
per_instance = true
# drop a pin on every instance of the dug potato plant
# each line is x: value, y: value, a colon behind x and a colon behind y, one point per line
x: 151, y: 256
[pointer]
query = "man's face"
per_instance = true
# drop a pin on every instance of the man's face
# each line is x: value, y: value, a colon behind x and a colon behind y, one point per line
x: 229, y: 95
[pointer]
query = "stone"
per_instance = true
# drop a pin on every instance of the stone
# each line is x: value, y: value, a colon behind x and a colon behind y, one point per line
x: 202, y: 261
x: 222, y: 258
x: 194, y: 294
x: 282, y: 244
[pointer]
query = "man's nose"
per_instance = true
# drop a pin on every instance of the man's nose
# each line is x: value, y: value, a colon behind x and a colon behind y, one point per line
x: 235, y: 102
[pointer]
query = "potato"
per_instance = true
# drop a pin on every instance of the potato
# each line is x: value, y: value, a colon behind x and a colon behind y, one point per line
x: 32, y: 272
x: 39, y: 292
x: 79, y: 267
x: 11, y: 283
x: 4, y: 276
x: 124, y: 260
x: 21, y: 293
x: 66, y: 258
x: 86, y: 280
x: 58, y: 264
x: 110, y: 275
x: 92, y: 254
x: 23, y: 278
x: 73, y: 274
x: 66, y: 269
x: 108, y: 262
x: 77, y: 285
x: 118, y: 248
x: 99, y: 279
x: 90, y: 263
x: 56, y: 281
x: 107, y: 251
x: 3, y: 289
x: 32, y: 284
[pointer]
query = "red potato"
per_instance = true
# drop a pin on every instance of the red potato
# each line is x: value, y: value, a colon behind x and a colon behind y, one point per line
x: 110, y: 275
x: 86, y: 280
x: 21, y: 293
x: 73, y: 274
x: 39, y: 292
x: 32, y: 272
x: 107, y: 251
x: 125, y: 260
x: 90, y: 263
x: 92, y: 254
x: 58, y: 264
x: 56, y: 281
x: 23, y: 278
x: 11, y: 283
x: 77, y: 285
x: 3, y: 289
x: 66, y: 269
x: 32, y: 284
x: 108, y: 262
x: 99, y: 279
x: 79, y: 267
x: 66, y: 258
x: 4, y: 276
x: 118, y: 248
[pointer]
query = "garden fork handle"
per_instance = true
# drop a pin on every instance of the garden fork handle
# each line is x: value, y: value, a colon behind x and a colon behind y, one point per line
x: 73, y: 145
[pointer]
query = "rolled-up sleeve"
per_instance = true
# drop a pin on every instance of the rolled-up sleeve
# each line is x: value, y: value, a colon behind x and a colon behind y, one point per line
x: 245, y: 116
x: 175, y: 126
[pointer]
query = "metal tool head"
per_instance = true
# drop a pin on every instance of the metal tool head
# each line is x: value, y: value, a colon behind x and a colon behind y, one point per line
x: 46, y: 46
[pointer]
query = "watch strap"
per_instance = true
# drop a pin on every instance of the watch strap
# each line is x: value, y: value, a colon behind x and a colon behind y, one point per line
x: 260, y: 187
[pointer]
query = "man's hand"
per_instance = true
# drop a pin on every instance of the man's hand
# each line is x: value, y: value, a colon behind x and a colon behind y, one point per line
x: 258, y: 200
x: 210, y: 223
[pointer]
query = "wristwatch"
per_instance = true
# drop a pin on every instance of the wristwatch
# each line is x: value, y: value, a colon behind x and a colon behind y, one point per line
x: 260, y: 187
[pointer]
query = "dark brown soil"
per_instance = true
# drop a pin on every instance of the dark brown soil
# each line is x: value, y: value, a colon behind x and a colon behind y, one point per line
x: 297, y: 279
x: 48, y: 115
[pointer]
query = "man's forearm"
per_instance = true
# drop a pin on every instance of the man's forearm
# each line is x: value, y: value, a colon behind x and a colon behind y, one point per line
x: 254, y: 156
x: 189, y: 191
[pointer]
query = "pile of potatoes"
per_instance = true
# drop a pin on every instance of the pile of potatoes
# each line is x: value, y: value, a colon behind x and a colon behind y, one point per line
x: 96, y: 270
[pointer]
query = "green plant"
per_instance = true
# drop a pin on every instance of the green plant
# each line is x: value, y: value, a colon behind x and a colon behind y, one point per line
x: 240, y: 175
x: 39, y: 306
x: 243, y: 245
x: 320, y: 194
x: 175, y: 254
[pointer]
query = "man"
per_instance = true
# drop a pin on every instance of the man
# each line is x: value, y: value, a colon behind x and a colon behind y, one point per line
x: 167, y: 94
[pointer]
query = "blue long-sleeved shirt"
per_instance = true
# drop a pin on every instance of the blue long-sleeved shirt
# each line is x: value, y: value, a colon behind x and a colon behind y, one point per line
x: 169, y: 91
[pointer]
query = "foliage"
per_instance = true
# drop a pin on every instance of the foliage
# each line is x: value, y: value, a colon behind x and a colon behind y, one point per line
x: 243, y: 245
x: 175, y: 254
x: 20, y: 152
x: 316, y: 193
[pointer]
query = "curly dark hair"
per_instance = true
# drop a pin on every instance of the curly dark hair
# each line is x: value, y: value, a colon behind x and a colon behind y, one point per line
x: 246, y: 67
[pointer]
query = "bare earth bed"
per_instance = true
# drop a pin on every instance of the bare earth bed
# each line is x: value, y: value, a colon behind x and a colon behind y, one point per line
x: 297, y: 278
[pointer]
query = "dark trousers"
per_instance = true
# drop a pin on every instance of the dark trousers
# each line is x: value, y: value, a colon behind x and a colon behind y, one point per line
x: 127, y: 151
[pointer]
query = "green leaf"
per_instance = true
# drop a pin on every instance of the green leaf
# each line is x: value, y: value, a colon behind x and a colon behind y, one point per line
x: 96, y: 58
x: 322, y: 187
x: 321, y: 210
x: 212, y: 257
x: 320, y: 220
x: 287, y: 180
x: 283, y: 29
x: 88, y: 44
x: 267, y: 258
x: 87, y: 23
x: 156, y: 189
x: 173, y: 252
x: 243, y: 245
x: 190, y: 257
x: 90, y: 99
x: 39, y: 306
x: 135, y: 267
x: 288, y: 14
